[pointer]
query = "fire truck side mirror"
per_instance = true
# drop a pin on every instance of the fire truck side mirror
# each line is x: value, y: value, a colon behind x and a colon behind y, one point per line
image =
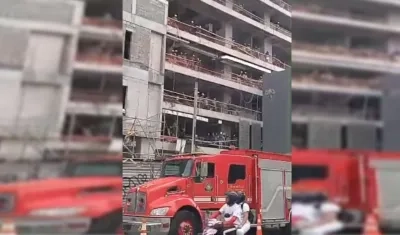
x: 204, y: 169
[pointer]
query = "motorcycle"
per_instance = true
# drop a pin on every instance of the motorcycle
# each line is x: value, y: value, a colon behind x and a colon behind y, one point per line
x: 210, y: 230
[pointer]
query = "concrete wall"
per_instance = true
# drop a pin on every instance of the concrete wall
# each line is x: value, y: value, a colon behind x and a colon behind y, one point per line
x: 37, y: 51
x: 143, y: 72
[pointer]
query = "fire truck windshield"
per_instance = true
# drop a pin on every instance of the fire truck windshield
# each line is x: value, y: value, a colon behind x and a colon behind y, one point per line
x: 179, y: 168
x: 98, y: 168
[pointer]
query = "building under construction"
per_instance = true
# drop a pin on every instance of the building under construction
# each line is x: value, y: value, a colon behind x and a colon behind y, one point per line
x: 200, y: 60
x: 345, y: 67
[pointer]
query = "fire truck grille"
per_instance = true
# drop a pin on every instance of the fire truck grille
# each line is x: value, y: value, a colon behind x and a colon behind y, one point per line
x: 132, y: 202
x: 140, y: 203
x: 6, y: 203
x: 137, y: 202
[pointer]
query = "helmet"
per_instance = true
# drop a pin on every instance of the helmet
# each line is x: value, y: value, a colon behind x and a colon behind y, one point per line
x: 231, y: 198
x: 241, y: 197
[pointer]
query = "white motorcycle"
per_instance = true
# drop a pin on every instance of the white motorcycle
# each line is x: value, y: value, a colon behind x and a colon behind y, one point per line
x: 210, y: 230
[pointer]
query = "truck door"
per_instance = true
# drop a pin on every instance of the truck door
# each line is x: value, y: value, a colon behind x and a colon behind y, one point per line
x: 237, y: 178
x: 204, y: 188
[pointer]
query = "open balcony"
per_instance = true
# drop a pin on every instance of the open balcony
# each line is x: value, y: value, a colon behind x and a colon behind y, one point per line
x: 83, y: 95
x: 101, y: 29
x: 342, y: 57
x: 193, y: 68
x: 330, y: 83
x: 98, y: 61
x: 208, y: 107
x: 302, y: 113
x: 91, y: 132
x: 239, y: 12
x: 343, y: 18
x: 105, y: 59
x: 286, y: 6
x: 93, y: 94
x: 206, y: 38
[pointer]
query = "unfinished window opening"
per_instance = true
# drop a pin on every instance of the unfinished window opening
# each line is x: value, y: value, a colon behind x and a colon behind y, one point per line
x: 127, y: 47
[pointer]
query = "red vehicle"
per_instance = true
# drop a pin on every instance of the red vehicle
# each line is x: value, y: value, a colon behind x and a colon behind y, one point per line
x: 85, y: 199
x: 360, y: 181
x: 193, y: 186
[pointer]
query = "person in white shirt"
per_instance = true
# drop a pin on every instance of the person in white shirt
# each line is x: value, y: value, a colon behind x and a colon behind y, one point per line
x: 231, y: 212
x: 323, y: 219
x: 244, y: 227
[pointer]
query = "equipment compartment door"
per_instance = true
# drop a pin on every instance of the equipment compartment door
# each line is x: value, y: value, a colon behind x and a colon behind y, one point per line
x: 272, y: 188
x: 272, y: 195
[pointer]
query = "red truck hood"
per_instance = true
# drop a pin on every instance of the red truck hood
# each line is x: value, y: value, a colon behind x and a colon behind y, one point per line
x: 34, y: 194
x: 161, y: 183
x: 57, y: 184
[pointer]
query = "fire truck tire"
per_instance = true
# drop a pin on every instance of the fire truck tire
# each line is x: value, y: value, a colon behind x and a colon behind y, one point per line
x: 287, y: 230
x: 182, y: 217
x: 108, y: 224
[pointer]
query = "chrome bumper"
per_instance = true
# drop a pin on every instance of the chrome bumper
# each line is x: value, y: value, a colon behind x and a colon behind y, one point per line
x: 133, y: 225
x: 46, y: 226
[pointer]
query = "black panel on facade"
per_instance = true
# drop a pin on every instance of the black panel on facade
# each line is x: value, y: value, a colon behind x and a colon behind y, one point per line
x: 277, y: 112
x: 244, y: 134
x: 361, y: 136
x: 256, y: 136
x: 391, y: 113
x: 323, y: 134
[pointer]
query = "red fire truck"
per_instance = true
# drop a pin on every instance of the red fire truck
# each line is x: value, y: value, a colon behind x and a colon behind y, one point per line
x: 360, y: 181
x: 85, y: 199
x: 193, y: 186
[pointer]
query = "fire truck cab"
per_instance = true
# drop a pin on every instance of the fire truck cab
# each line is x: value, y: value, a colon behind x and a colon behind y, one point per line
x: 361, y: 182
x: 193, y: 186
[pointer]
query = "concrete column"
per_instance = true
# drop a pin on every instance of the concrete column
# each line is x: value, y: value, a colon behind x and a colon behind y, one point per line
x: 393, y: 45
x: 347, y: 41
x: 229, y: 4
x: 226, y: 31
x: 227, y: 70
x: 267, y: 46
x: 267, y: 17
x: 210, y: 27
x: 393, y: 17
x: 227, y: 97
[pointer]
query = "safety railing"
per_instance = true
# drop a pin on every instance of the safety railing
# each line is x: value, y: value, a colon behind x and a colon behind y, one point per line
x: 99, y: 59
x: 328, y: 79
x: 87, y: 138
x: 95, y: 96
x: 334, y: 111
x: 283, y: 4
x: 221, y: 144
x: 211, y: 104
x: 339, y: 13
x: 200, y: 32
x: 342, y: 50
x: 241, y: 10
x: 197, y: 66
x: 101, y: 22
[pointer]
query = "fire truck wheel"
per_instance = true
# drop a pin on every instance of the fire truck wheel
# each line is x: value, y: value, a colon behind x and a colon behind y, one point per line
x: 108, y: 224
x: 287, y: 230
x: 185, y: 223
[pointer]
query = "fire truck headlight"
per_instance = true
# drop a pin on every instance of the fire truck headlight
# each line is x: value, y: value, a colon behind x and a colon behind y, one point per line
x: 67, y: 211
x: 159, y: 211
